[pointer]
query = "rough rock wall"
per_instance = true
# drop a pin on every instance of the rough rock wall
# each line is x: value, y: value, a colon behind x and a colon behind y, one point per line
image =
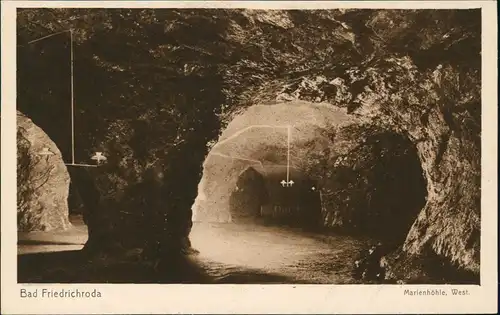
x: 449, y: 152
x: 43, y: 181
x: 129, y: 210
x: 126, y: 203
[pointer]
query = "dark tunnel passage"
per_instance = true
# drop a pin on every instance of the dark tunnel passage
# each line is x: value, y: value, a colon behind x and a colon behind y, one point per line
x: 263, y: 198
x: 249, y: 196
x: 377, y: 190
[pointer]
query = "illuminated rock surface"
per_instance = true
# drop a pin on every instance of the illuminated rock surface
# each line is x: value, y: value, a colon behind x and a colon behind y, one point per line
x: 43, y: 180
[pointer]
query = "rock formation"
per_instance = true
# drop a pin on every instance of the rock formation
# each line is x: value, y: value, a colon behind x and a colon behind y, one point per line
x: 43, y: 180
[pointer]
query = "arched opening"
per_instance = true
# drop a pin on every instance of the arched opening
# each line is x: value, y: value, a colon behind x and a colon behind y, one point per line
x: 348, y: 185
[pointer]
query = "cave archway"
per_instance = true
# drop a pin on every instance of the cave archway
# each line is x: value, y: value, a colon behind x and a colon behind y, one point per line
x: 280, y: 134
x: 347, y: 174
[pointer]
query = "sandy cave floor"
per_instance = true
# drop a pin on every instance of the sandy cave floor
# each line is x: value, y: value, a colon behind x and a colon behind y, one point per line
x: 55, y: 241
x: 228, y: 253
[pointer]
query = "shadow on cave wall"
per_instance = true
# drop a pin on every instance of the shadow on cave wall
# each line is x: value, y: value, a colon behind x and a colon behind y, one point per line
x: 379, y: 187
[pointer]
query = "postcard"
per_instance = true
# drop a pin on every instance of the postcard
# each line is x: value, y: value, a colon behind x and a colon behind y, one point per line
x: 249, y: 157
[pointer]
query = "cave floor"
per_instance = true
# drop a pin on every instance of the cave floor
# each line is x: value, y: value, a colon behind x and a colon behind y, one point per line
x: 54, y: 241
x: 228, y: 253
x: 231, y: 253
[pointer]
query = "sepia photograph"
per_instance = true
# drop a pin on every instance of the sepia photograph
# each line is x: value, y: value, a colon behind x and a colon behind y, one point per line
x: 234, y: 145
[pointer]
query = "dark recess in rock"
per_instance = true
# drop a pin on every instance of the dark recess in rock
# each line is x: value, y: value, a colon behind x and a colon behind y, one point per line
x: 380, y: 187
